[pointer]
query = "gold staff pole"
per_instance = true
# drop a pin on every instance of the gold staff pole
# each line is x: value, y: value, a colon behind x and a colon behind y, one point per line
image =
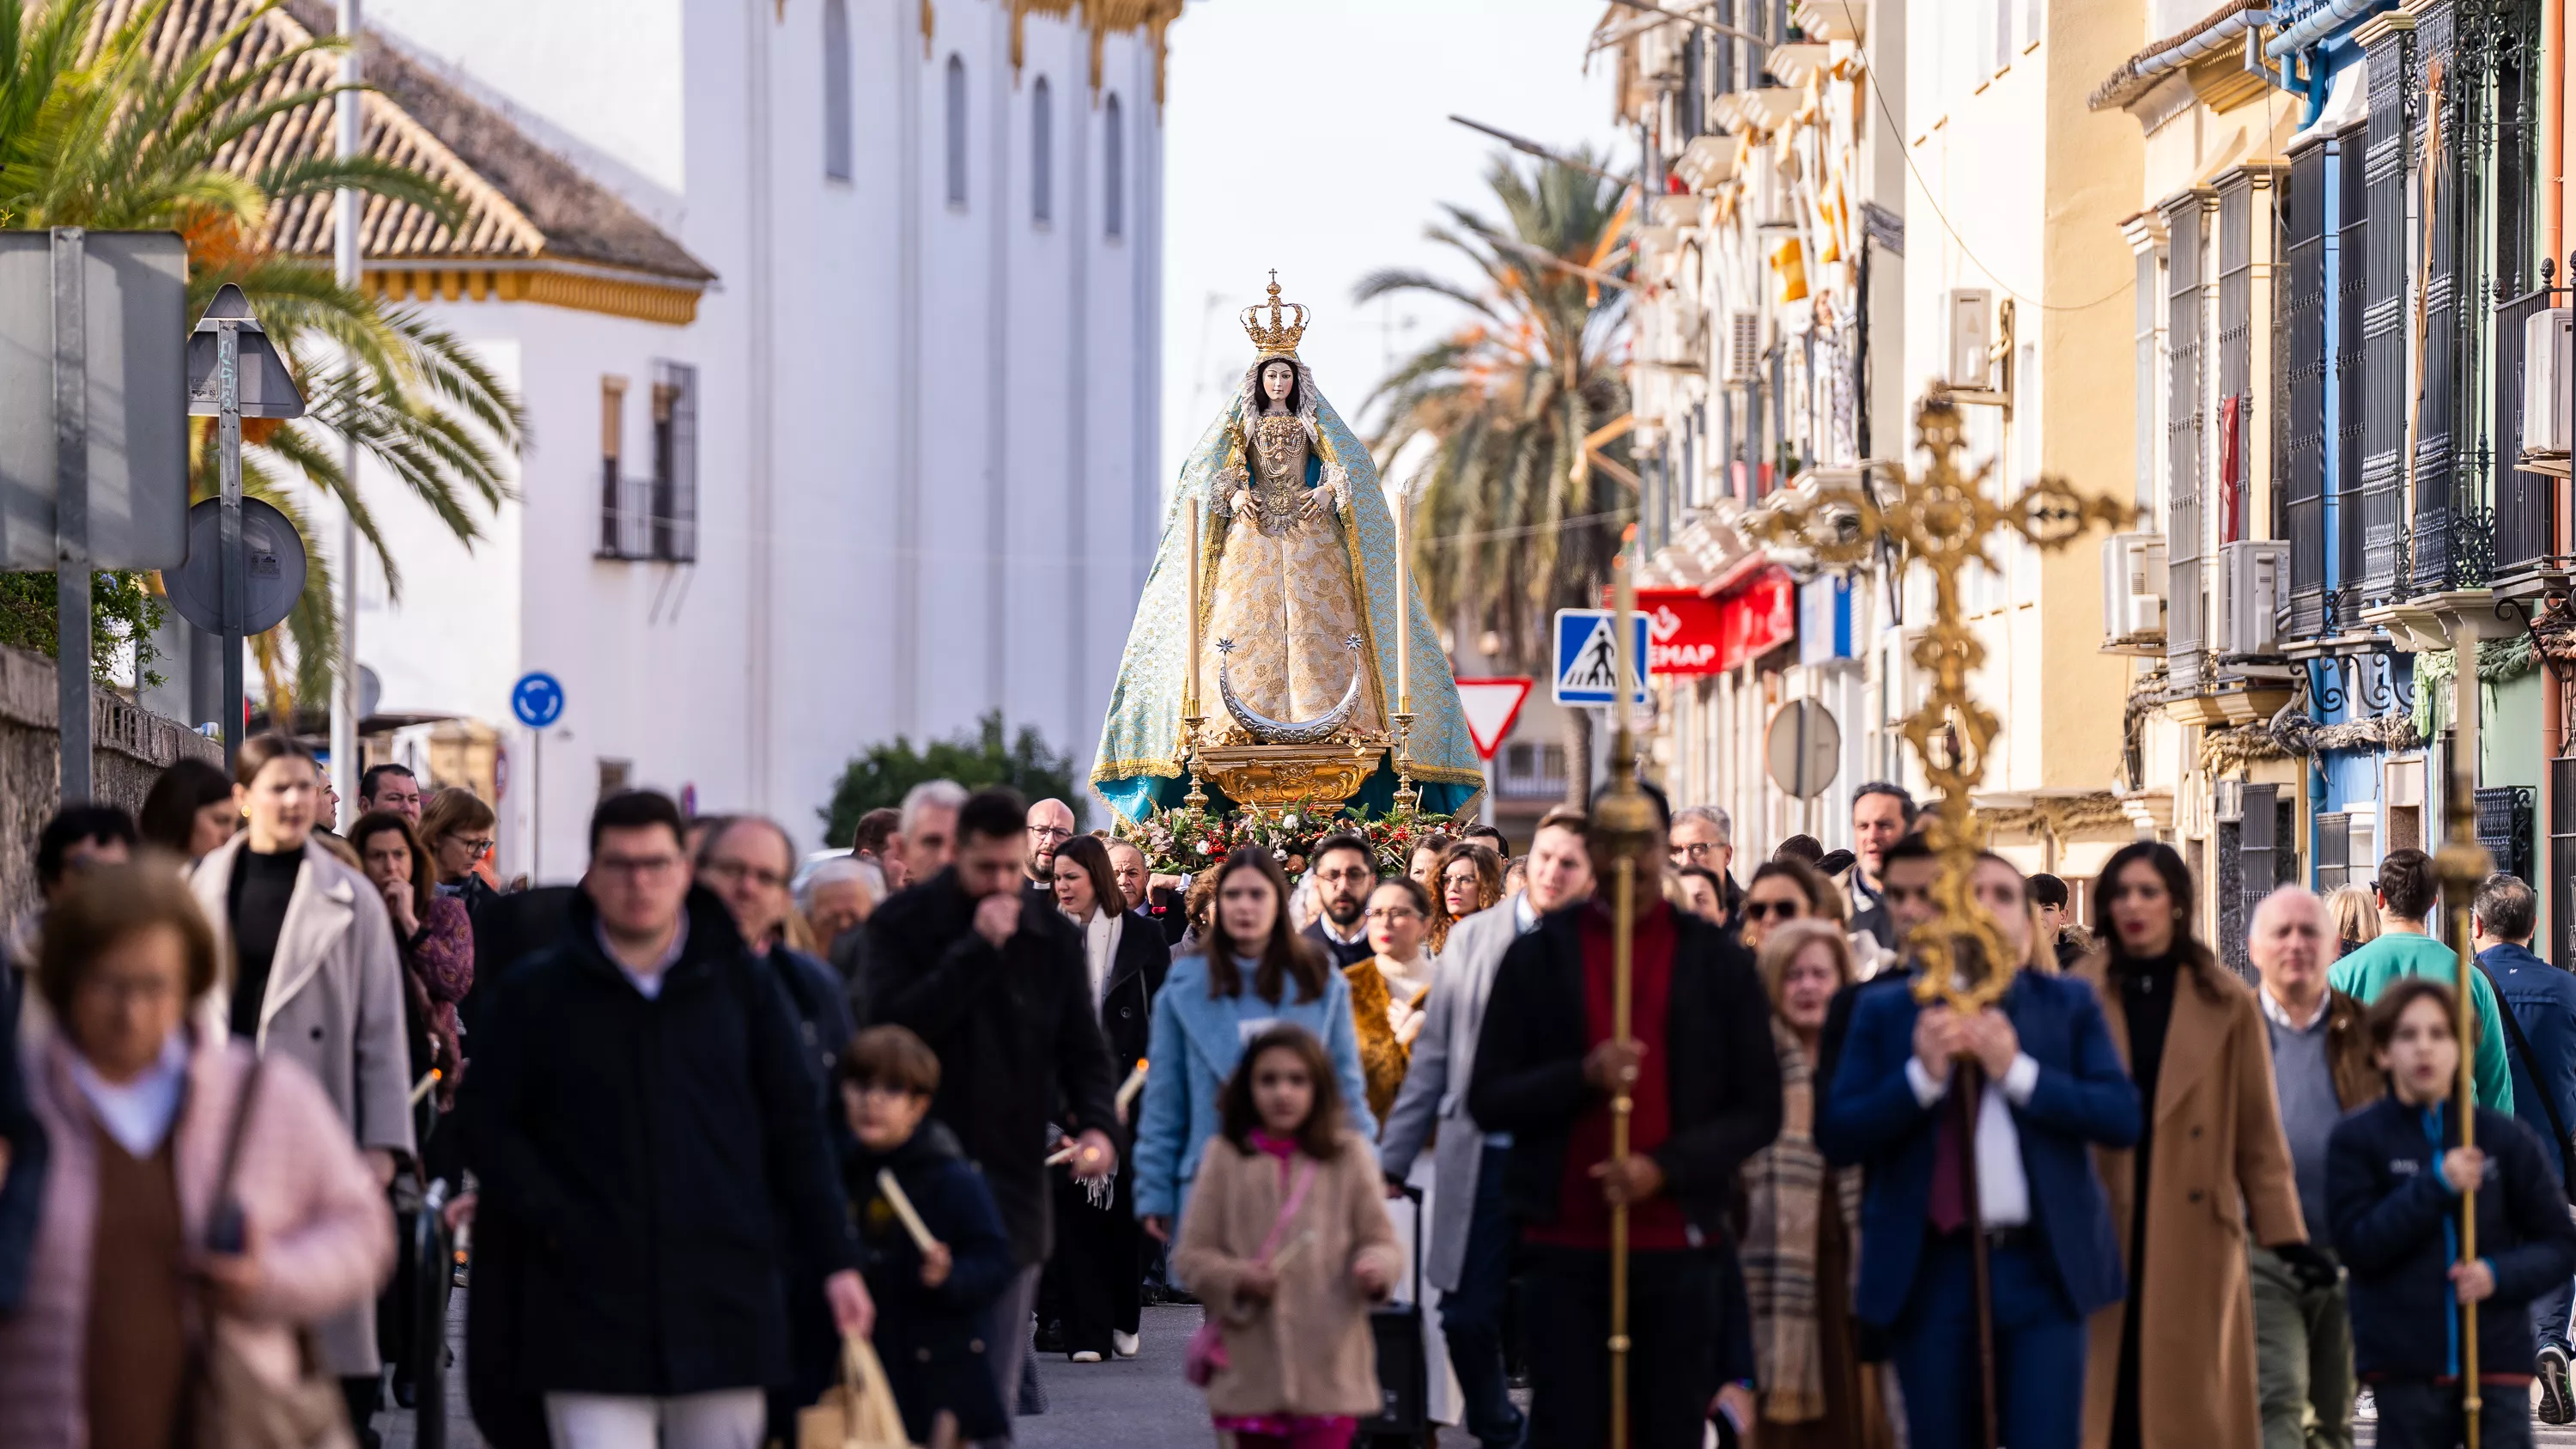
x: 2462, y: 865
x: 1626, y: 822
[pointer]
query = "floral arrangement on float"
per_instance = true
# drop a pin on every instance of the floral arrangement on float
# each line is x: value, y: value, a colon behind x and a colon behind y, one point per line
x: 1187, y: 839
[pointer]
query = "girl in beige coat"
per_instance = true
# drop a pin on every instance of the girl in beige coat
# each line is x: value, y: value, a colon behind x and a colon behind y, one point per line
x: 1287, y: 1241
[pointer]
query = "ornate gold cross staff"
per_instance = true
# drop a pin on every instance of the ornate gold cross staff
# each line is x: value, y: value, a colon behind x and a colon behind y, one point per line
x: 1943, y: 520
x: 2462, y: 866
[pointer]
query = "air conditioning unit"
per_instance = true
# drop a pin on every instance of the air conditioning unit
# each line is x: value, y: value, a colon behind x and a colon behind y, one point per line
x: 1744, y: 347
x: 2549, y: 379
x: 2253, y: 584
x: 2133, y: 585
x: 1972, y: 336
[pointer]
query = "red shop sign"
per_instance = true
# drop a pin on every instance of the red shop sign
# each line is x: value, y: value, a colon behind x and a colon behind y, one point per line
x: 1682, y: 632
x: 1762, y: 616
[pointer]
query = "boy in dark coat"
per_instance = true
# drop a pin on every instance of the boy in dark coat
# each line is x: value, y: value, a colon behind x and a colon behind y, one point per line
x: 2393, y: 1187
x: 933, y: 1303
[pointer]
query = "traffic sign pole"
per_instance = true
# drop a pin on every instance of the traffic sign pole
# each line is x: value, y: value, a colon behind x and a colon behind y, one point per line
x: 74, y: 731
x: 236, y: 577
x: 538, y: 700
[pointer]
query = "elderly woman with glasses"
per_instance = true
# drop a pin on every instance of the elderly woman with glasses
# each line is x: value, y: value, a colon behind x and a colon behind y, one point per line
x: 456, y: 831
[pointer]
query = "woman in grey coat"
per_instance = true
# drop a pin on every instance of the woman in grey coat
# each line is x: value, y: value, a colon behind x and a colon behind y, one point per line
x: 315, y: 976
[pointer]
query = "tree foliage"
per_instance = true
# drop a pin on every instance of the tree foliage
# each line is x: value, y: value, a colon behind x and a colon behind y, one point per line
x: 881, y: 776
x: 1512, y: 520
x: 132, y: 126
x: 123, y: 615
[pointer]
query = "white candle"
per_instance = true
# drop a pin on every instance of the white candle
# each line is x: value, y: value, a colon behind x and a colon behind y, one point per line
x: 1190, y: 691
x: 1403, y: 612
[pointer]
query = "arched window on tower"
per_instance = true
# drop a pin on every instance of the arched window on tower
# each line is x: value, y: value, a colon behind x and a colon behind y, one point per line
x: 956, y: 132
x: 836, y: 90
x: 1041, y: 152
x: 1113, y: 169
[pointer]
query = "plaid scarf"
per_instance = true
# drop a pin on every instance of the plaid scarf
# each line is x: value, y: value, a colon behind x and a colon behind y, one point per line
x: 1784, y: 1187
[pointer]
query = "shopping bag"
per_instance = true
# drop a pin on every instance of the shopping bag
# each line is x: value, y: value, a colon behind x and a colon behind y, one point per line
x: 856, y: 1413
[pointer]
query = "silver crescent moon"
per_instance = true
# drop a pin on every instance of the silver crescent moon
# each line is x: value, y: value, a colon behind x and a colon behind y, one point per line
x: 1293, y: 732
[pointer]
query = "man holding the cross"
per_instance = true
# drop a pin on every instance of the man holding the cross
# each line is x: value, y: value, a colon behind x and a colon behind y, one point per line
x: 2050, y: 1086
x: 1704, y: 1081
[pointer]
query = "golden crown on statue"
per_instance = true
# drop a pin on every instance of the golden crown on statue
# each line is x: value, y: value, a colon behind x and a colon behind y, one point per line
x: 1279, y: 339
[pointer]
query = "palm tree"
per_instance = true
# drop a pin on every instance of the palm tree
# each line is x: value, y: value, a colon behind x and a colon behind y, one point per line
x: 1520, y: 507
x: 102, y: 125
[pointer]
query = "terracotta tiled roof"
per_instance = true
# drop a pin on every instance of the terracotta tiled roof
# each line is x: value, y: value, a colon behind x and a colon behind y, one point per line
x: 523, y: 204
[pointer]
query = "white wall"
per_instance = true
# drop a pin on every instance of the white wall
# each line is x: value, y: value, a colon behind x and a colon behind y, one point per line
x: 926, y: 480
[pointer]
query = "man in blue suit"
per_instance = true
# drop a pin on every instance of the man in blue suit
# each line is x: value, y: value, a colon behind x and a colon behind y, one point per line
x: 2053, y: 1087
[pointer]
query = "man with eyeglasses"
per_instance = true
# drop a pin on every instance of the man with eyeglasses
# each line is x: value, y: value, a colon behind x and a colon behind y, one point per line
x: 1050, y: 825
x: 646, y: 1123
x: 1703, y: 836
x: 1345, y: 871
x: 748, y: 860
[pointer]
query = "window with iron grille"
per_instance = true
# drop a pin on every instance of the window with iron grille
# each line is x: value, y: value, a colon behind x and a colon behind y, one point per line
x: 612, y: 500
x: 675, y: 462
x: 2185, y: 220
x: 2351, y: 272
x: 2242, y: 198
x: 2299, y: 357
x: 2437, y: 474
x: 2384, y: 166
x: 2561, y: 947
x: 2150, y: 333
x: 2334, y: 850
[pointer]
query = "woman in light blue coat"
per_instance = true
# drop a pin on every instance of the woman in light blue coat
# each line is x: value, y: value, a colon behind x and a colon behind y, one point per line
x: 1253, y: 973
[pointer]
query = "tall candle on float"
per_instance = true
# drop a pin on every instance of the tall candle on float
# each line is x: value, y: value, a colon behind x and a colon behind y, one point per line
x: 1190, y: 694
x: 1403, y: 611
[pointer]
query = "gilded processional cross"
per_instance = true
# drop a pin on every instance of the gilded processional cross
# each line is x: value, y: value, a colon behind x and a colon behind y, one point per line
x: 1944, y: 520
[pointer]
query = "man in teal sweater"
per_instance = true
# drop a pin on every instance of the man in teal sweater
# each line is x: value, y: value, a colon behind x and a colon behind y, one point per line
x: 2408, y: 895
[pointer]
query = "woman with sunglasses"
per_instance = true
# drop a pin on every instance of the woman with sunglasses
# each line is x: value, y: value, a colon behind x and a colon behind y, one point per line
x: 1781, y: 891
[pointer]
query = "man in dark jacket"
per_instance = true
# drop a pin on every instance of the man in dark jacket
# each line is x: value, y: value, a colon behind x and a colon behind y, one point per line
x: 2540, y: 1001
x: 1345, y: 871
x: 2053, y: 1089
x: 1705, y: 1084
x: 2394, y: 1179
x: 644, y: 1114
x: 1001, y: 992
x: 1882, y: 815
x: 1050, y: 825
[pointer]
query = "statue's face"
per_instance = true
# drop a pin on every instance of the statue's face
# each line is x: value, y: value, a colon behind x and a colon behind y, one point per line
x: 1276, y: 380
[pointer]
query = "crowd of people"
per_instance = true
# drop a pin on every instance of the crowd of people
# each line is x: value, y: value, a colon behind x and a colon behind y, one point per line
x: 985, y: 1085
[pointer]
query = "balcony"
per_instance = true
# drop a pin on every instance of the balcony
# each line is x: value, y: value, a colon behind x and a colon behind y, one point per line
x: 2532, y: 550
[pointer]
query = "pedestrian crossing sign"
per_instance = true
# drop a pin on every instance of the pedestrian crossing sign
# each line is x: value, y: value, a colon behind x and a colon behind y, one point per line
x: 1587, y: 657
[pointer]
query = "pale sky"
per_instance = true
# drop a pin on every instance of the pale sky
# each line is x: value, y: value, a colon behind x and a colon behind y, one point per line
x: 1312, y: 136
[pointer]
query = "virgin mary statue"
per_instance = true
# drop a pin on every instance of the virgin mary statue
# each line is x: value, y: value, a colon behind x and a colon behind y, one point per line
x: 1300, y: 616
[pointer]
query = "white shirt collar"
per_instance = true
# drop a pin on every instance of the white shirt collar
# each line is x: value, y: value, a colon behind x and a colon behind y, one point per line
x: 1354, y: 938
x: 2280, y: 1015
x: 1524, y: 915
x: 138, y: 1113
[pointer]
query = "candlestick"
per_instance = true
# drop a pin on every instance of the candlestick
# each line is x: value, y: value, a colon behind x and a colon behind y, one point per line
x: 1190, y: 690
x: 1403, y: 611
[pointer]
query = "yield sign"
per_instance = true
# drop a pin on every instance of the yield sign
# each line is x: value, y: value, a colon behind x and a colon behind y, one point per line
x: 1490, y: 706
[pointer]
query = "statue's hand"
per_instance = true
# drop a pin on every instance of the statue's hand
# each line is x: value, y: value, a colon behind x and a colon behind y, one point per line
x: 1243, y: 505
x: 1318, y: 503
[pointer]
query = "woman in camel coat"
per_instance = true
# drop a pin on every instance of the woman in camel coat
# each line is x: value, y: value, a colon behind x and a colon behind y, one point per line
x: 2212, y: 1163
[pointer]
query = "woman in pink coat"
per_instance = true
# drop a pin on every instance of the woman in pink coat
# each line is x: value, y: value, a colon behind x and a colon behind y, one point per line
x: 139, y: 1103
